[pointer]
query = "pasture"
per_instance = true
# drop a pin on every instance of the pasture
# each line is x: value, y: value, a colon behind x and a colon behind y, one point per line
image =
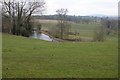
x: 86, y: 31
x: 33, y: 58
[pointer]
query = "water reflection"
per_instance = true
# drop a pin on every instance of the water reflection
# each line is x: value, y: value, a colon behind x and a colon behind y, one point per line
x: 42, y: 36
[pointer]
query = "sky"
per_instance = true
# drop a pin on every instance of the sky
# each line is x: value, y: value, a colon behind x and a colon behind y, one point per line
x: 83, y: 7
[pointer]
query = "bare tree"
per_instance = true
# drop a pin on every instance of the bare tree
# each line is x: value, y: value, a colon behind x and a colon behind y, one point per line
x: 110, y: 25
x: 99, y: 35
x: 63, y: 26
x: 20, y: 15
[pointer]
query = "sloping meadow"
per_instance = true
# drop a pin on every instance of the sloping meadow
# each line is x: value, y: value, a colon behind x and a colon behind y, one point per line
x: 34, y: 58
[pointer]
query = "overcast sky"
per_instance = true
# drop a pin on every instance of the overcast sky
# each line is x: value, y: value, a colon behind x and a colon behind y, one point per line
x: 83, y: 7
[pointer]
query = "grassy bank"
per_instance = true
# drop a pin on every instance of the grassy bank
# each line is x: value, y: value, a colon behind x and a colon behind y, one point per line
x: 34, y: 58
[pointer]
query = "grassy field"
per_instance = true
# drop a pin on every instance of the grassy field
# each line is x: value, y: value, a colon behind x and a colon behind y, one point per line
x: 34, y: 58
x: 86, y: 30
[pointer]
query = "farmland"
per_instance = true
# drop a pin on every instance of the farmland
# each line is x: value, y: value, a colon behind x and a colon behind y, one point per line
x: 34, y: 58
x: 87, y: 31
x: 59, y: 39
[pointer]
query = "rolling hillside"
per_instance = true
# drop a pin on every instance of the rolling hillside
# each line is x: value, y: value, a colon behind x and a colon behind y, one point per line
x: 34, y: 58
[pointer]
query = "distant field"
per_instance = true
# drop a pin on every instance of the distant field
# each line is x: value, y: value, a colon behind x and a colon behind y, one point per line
x: 34, y: 58
x: 46, y: 21
x: 86, y: 30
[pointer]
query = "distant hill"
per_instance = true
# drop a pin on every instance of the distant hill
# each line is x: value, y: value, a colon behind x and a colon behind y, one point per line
x: 101, y: 15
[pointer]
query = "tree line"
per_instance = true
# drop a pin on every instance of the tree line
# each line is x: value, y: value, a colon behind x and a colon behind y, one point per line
x: 73, y: 18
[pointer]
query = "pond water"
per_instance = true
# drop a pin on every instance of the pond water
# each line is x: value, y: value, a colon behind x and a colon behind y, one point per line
x: 42, y: 36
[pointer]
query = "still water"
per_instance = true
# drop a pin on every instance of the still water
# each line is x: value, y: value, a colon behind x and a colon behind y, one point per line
x: 42, y: 36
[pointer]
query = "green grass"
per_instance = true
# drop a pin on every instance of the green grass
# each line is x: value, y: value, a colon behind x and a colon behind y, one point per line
x: 34, y: 58
x: 86, y: 31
